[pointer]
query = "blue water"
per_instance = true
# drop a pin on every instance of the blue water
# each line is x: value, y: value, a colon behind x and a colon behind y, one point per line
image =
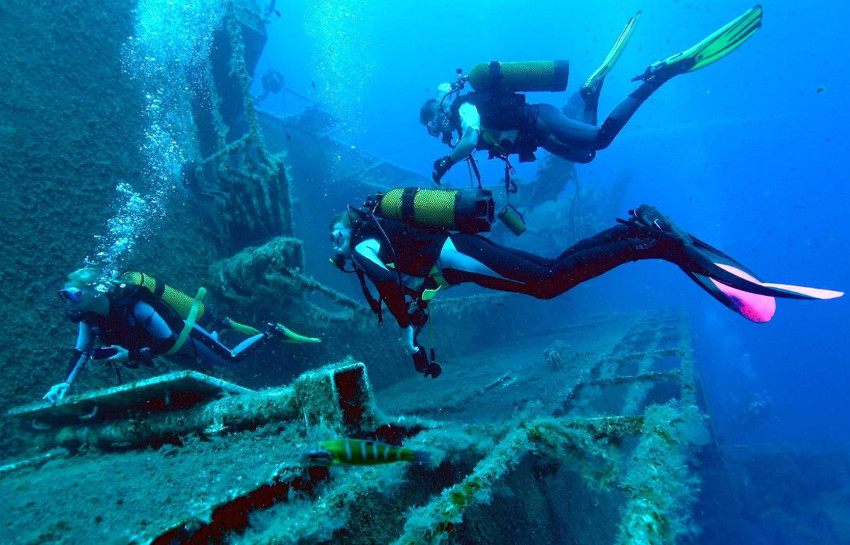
x: 750, y: 154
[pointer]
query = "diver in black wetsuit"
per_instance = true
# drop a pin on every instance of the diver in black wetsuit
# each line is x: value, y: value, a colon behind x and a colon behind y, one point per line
x: 134, y: 318
x: 408, y: 264
x: 496, y: 117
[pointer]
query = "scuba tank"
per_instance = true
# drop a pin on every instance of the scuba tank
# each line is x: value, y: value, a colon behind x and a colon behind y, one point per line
x: 466, y: 210
x: 510, y: 77
x: 175, y: 299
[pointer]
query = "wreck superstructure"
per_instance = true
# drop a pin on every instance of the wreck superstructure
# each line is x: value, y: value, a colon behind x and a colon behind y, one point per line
x: 585, y: 431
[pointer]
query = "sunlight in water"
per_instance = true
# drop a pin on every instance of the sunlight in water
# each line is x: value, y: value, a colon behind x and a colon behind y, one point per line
x: 341, y: 32
x: 165, y: 56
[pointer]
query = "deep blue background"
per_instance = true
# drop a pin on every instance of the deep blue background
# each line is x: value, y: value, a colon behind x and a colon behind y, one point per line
x: 750, y: 154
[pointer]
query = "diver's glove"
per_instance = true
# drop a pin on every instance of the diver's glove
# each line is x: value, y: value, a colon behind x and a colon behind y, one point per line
x: 441, y: 166
x: 57, y: 392
x: 426, y: 366
x: 418, y: 314
x: 405, y: 340
x: 122, y: 355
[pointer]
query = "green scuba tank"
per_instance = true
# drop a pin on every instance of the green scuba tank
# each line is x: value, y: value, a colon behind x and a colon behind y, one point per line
x: 178, y: 301
x: 465, y: 210
x: 510, y: 77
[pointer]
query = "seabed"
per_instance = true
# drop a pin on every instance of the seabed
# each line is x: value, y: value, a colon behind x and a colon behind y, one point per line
x: 584, y: 434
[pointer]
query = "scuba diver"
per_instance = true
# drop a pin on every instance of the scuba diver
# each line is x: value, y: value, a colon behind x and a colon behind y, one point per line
x: 136, y: 318
x: 496, y: 118
x: 273, y: 82
x: 405, y: 243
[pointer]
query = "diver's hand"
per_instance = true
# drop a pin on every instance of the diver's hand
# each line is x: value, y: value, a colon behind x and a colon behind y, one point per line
x: 441, y: 166
x: 405, y: 340
x: 56, y: 392
x: 122, y: 356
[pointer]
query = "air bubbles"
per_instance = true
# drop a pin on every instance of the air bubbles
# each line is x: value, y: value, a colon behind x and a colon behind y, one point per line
x: 170, y: 40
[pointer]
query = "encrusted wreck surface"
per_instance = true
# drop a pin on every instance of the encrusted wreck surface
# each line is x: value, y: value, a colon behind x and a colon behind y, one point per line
x: 595, y: 449
x: 583, y: 434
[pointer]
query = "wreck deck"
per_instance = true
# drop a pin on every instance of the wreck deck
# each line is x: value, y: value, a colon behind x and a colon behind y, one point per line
x: 580, y: 398
x: 608, y: 365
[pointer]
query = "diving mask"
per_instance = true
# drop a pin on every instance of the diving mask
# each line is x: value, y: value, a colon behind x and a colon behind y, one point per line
x: 339, y: 238
x: 71, y: 295
x: 439, y: 125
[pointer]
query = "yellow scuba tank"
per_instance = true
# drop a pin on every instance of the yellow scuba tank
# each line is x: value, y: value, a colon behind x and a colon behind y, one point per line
x: 465, y: 210
x: 178, y: 301
x: 510, y: 77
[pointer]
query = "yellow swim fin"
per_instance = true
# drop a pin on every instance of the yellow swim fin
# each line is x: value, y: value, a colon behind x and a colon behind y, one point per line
x: 293, y: 337
x: 241, y: 328
x: 613, y: 56
x: 711, y: 49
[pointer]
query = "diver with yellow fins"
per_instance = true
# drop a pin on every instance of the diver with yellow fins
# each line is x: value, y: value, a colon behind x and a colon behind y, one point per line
x: 495, y: 117
x: 410, y: 243
x: 135, y: 318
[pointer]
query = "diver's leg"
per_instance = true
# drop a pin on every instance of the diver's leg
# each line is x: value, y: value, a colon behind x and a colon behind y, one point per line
x: 583, y: 106
x: 711, y: 49
x: 211, y: 350
x: 567, y: 138
x: 577, y: 141
x: 624, y: 111
x: 471, y: 258
x: 575, y: 109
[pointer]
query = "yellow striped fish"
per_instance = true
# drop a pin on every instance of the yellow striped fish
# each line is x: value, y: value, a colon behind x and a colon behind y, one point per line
x: 361, y: 452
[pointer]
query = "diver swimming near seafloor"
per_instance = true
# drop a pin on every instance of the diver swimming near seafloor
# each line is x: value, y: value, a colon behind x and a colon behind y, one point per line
x: 137, y: 318
x: 410, y: 243
x: 495, y: 117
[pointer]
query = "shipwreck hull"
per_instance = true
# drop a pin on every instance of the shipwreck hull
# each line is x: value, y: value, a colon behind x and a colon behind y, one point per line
x: 585, y: 434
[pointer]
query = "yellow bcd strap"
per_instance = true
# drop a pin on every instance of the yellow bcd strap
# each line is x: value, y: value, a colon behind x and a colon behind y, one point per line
x: 190, y: 321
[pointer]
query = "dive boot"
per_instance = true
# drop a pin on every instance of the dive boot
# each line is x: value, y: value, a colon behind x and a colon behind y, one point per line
x: 713, y: 48
x: 594, y: 82
x: 650, y: 218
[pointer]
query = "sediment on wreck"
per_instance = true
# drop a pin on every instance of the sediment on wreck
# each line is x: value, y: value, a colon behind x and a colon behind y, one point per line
x: 604, y: 454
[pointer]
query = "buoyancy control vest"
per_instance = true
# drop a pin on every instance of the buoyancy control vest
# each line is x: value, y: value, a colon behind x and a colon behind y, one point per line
x: 180, y: 311
x: 507, y: 122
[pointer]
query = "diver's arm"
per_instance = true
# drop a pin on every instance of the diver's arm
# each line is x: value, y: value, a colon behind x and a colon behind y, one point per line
x: 81, y: 353
x: 365, y: 254
x: 79, y: 357
x: 164, y: 336
x: 470, y: 122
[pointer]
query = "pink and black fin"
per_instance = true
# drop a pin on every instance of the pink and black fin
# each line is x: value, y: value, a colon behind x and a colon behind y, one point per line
x: 737, y: 287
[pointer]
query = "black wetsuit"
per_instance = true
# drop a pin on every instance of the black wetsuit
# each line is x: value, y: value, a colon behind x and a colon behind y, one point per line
x: 511, y: 126
x: 147, y: 327
x: 421, y: 258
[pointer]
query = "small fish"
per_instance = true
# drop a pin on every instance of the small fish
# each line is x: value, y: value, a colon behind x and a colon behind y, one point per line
x: 313, y: 83
x: 361, y: 452
x: 288, y: 136
x: 276, y: 12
